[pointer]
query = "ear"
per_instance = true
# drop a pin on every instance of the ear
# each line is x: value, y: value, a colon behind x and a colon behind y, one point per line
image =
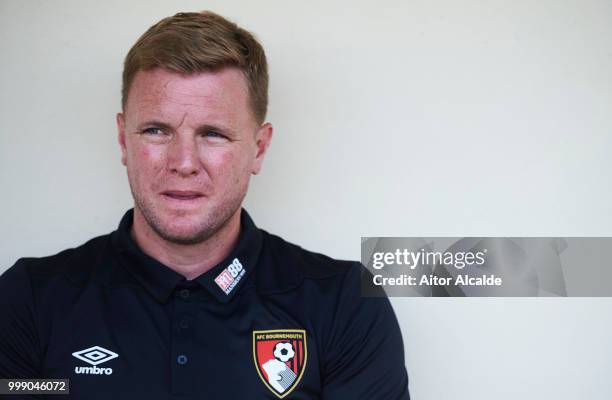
x: 263, y: 137
x: 121, y: 137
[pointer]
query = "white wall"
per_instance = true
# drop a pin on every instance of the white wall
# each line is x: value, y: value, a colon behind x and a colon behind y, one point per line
x: 407, y: 118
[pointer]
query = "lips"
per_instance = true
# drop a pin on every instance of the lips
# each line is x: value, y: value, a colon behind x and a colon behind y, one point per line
x: 182, y: 194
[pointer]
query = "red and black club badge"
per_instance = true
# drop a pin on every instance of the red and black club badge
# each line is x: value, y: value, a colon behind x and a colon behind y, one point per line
x: 280, y: 358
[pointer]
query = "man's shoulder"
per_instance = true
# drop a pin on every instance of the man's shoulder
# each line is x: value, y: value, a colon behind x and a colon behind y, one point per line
x: 288, y: 265
x: 79, y: 260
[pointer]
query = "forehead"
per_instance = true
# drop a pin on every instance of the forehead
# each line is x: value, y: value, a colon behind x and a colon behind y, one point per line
x: 162, y: 93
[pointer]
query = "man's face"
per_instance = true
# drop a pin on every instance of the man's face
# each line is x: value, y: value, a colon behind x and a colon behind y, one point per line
x: 190, y: 144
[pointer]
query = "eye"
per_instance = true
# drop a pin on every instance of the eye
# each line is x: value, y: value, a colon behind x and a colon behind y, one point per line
x: 153, y: 131
x: 213, y: 135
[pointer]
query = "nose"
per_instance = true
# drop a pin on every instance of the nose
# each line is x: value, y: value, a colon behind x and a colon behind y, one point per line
x: 183, y: 156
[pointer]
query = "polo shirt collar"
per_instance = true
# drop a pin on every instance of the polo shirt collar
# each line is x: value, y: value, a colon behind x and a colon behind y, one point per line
x: 161, y: 281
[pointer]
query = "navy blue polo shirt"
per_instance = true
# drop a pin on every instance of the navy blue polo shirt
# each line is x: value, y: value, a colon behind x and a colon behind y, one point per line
x: 270, y: 321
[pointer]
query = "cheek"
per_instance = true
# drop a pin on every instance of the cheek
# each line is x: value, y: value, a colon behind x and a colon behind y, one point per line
x: 148, y: 156
x: 229, y: 166
x: 144, y: 162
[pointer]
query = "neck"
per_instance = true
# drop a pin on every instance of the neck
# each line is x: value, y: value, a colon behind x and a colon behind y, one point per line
x: 189, y: 260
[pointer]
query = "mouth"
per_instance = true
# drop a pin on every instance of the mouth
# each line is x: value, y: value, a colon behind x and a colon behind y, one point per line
x: 184, y: 195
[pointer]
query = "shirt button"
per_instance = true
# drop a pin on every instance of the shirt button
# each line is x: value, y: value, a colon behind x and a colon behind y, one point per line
x: 184, y: 324
x: 182, y: 359
x: 184, y: 293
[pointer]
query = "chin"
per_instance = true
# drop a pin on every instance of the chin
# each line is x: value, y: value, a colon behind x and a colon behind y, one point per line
x: 184, y: 234
x: 187, y: 225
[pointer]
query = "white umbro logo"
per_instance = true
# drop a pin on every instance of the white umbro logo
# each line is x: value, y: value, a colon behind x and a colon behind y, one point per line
x: 94, y: 355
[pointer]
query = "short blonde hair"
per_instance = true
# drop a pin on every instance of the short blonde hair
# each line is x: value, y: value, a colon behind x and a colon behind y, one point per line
x: 193, y: 42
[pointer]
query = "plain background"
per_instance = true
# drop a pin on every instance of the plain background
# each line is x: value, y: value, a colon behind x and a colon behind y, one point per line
x: 407, y: 118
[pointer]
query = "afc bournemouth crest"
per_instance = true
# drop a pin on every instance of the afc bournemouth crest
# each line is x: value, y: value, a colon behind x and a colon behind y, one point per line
x: 280, y: 358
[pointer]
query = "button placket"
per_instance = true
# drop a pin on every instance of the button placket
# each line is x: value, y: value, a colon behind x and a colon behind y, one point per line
x: 183, y: 373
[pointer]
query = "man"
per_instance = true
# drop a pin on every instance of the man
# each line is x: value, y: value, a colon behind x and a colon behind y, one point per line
x: 188, y: 298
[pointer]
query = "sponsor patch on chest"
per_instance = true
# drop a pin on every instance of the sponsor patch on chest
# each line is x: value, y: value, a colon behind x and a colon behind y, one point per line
x: 230, y: 276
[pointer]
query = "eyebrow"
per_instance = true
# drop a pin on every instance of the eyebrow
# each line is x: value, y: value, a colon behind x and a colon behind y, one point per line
x: 201, y: 128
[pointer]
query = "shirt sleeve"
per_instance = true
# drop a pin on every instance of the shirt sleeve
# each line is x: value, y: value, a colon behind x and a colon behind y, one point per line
x: 19, y: 345
x: 365, y: 353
